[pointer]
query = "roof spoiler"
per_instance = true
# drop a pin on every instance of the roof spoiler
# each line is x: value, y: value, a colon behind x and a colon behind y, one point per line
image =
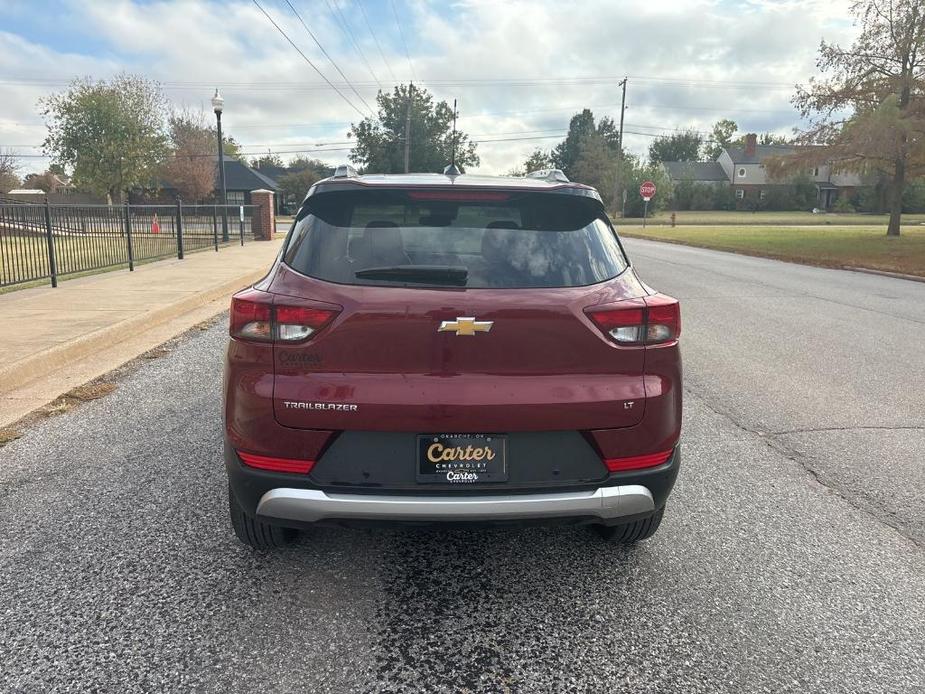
x: 551, y: 175
x: 345, y: 171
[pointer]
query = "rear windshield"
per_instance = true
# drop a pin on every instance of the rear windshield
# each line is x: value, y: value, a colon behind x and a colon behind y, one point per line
x: 457, y: 238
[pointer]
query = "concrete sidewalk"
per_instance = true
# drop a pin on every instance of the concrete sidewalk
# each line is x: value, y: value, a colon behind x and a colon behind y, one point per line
x: 52, y: 340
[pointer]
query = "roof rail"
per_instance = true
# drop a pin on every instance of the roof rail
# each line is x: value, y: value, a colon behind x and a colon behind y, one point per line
x: 345, y: 171
x: 552, y: 175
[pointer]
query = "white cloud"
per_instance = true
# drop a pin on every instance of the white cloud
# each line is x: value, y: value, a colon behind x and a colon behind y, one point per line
x: 273, y: 98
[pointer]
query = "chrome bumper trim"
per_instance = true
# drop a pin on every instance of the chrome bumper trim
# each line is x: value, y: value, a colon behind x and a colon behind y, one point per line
x: 311, y: 505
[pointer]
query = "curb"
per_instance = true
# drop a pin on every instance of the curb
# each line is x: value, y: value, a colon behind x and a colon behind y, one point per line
x: 885, y: 273
x: 47, y: 361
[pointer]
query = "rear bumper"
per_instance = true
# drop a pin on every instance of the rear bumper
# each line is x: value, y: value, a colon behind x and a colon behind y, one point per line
x: 312, y: 506
x: 295, y: 501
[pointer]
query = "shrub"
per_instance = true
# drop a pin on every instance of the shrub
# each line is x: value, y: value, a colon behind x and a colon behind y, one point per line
x: 914, y: 197
x: 724, y: 198
x: 868, y: 199
x: 842, y: 204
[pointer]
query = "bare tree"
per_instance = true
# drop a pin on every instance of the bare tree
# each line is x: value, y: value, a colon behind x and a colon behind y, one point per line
x: 867, y: 110
x: 9, y: 172
x: 191, y: 166
x: 40, y: 181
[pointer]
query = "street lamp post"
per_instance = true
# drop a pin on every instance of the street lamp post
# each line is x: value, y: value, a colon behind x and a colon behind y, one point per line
x: 217, y: 103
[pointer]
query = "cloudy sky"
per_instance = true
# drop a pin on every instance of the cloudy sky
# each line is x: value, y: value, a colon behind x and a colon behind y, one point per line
x: 519, y: 68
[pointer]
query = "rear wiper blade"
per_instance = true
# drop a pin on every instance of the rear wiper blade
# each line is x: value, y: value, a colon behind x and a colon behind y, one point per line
x: 435, y: 274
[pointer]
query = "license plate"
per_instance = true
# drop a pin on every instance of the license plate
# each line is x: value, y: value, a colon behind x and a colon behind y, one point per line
x: 461, y: 458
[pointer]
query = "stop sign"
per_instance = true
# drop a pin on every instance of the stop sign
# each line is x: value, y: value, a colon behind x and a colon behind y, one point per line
x: 647, y: 190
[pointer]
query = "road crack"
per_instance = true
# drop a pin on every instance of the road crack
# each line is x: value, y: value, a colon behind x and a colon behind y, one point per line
x: 774, y: 440
x: 813, y: 430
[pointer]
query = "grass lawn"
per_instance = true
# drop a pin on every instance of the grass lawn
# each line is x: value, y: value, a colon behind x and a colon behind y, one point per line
x: 760, y: 218
x: 843, y: 246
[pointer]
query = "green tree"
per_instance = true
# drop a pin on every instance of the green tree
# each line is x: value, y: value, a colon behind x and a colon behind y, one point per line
x: 609, y: 132
x: 380, y: 142
x: 295, y: 185
x: 267, y: 160
x: 771, y: 139
x: 112, y: 135
x: 682, y: 146
x: 880, y: 82
x: 232, y: 148
x: 721, y: 136
x: 302, y: 163
x: 566, y: 153
x: 596, y: 165
x: 537, y: 161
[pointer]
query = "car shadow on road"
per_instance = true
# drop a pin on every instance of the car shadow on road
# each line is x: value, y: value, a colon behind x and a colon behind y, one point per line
x: 516, y: 588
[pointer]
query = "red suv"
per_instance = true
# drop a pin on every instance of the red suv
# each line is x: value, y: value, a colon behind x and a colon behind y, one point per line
x: 449, y: 348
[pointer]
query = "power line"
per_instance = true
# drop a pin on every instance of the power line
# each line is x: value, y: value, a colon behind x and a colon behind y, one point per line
x: 482, y: 114
x: 534, y: 134
x: 345, y: 27
x: 403, y: 42
x: 321, y: 150
x: 720, y: 110
x: 305, y: 58
x: 326, y: 55
x: 375, y: 38
x: 455, y: 83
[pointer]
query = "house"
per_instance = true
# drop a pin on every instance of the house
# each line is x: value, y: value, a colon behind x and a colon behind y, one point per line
x: 710, y: 172
x: 240, y: 180
x: 743, y: 169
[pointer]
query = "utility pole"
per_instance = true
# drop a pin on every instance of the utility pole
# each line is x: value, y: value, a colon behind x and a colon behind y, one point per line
x: 453, y: 161
x: 619, y: 193
x: 622, y: 112
x: 408, y: 127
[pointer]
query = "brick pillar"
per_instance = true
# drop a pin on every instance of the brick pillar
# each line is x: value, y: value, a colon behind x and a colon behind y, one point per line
x: 264, y: 221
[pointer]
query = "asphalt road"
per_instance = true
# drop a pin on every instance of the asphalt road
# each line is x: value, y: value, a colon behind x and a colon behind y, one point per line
x: 790, y: 559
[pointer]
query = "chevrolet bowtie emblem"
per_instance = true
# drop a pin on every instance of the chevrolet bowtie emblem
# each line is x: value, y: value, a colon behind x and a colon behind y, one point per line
x: 465, y: 326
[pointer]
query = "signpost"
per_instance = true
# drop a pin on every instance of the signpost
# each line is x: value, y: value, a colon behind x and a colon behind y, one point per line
x: 647, y: 191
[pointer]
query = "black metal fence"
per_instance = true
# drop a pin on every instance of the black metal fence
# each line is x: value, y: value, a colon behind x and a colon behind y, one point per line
x: 41, y: 241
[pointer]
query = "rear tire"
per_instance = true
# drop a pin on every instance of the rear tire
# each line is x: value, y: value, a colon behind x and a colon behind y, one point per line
x: 629, y: 533
x: 255, y: 533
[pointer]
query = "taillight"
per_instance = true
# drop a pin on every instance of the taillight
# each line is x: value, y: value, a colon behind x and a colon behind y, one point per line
x: 650, y: 321
x: 260, y: 320
x: 637, y: 462
x: 265, y: 462
x: 250, y: 320
x: 297, y: 323
x: 459, y: 195
x: 664, y: 319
